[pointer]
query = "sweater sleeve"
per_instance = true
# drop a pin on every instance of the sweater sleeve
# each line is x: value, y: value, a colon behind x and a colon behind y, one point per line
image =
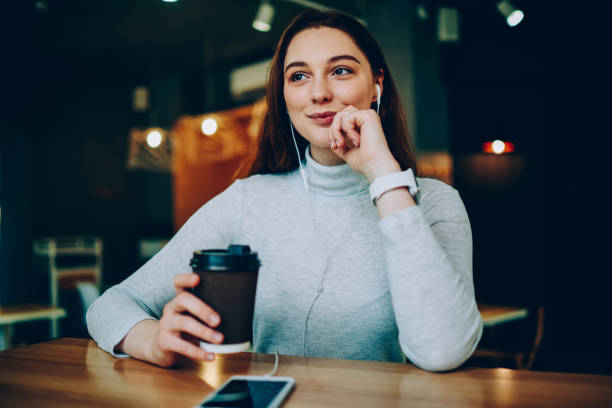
x: 428, y: 250
x: 143, y: 294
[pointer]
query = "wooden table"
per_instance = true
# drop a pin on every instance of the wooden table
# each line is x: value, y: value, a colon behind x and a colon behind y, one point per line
x: 10, y: 315
x: 75, y: 372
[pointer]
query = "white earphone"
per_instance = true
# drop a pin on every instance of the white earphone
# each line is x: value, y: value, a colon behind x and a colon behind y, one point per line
x: 377, y: 98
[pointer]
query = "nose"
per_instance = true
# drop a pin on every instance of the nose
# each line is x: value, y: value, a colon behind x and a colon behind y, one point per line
x: 320, y: 91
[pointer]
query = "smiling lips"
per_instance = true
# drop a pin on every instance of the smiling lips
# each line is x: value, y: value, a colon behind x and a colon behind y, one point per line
x: 323, y: 118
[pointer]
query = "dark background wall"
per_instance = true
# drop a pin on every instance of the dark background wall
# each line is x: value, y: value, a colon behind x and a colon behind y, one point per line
x: 540, y: 237
x: 543, y: 236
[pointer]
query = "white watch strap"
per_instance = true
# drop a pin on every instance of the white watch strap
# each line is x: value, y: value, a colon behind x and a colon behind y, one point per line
x: 383, y: 184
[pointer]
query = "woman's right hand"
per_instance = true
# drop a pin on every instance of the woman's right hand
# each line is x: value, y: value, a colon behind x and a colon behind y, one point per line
x: 180, y: 328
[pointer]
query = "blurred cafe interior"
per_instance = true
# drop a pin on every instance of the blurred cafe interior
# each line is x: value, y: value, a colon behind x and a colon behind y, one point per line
x: 119, y: 119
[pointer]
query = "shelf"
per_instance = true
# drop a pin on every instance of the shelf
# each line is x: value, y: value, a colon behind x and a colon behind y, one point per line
x: 68, y: 251
x: 493, y: 315
x: 25, y: 313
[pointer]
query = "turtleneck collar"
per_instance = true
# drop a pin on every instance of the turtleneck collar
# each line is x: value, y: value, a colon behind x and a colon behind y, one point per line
x: 336, y: 181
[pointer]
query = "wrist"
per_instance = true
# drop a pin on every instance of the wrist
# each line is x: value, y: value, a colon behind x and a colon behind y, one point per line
x: 147, y: 337
x: 393, y: 181
x: 150, y: 353
x: 380, y: 168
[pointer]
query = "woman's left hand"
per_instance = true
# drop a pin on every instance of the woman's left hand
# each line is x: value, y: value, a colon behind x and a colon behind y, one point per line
x: 357, y: 137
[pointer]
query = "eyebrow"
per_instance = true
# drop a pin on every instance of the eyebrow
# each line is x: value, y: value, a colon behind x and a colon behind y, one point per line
x: 332, y: 59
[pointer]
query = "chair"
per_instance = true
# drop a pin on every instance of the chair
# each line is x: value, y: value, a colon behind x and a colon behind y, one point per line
x: 511, y: 335
x: 69, y: 262
x: 88, y: 293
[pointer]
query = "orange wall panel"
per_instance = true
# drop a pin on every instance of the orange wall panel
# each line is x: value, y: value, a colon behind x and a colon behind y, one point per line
x: 203, y: 166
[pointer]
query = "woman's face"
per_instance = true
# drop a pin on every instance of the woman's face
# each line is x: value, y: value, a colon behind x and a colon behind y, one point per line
x: 324, y: 71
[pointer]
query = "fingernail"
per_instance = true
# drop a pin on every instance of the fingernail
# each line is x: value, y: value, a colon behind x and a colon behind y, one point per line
x: 217, y: 337
x: 210, y: 356
x: 333, y: 144
x: 214, y: 319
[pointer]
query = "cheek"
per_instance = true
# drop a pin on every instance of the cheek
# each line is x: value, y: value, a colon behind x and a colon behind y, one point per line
x: 294, y: 98
x: 358, y: 96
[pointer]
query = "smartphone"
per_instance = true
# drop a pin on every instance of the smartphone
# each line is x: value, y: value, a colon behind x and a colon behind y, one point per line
x: 250, y: 391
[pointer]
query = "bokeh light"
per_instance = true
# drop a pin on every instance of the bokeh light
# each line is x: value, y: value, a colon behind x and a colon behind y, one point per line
x: 209, y: 126
x: 154, y: 139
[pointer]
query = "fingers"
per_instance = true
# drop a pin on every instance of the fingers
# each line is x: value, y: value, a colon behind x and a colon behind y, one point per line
x: 341, y: 128
x: 340, y: 152
x: 347, y: 126
x: 187, y: 302
x: 170, y: 342
x: 180, y: 330
x: 185, y: 281
x: 183, y: 323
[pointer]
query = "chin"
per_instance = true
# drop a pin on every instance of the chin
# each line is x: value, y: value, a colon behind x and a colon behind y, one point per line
x: 318, y: 137
x: 321, y: 144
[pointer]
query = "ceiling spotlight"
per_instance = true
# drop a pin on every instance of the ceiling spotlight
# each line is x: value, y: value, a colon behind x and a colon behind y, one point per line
x: 422, y: 13
x: 41, y: 6
x: 265, y: 14
x: 513, y: 15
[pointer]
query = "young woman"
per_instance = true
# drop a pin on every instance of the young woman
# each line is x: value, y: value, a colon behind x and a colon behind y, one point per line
x: 343, y: 275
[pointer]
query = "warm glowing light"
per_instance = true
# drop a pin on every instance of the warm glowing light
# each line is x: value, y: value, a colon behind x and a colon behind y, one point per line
x: 209, y: 126
x: 211, y: 373
x: 515, y: 18
x: 498, y: 146
x: 504, y: 373
x: 154, y: 139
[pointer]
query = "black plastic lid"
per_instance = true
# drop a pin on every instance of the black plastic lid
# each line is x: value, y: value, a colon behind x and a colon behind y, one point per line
x: 237, y: 258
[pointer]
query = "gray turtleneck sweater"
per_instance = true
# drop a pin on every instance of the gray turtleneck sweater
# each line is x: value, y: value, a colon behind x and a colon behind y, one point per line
x: 336, y: 281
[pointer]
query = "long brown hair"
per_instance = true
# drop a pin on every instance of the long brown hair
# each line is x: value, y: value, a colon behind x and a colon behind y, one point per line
x: 275, y: 151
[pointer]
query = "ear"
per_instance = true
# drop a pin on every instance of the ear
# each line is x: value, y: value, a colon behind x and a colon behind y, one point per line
x: 378, y: 79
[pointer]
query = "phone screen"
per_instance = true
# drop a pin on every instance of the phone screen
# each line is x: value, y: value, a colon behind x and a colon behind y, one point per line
x: 245, y: 393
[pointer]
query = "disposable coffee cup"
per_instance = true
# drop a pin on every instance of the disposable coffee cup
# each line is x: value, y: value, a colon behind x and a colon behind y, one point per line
x: 228, y: 281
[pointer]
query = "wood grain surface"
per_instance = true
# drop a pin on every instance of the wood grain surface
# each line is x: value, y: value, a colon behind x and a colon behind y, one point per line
x: 76, y: 373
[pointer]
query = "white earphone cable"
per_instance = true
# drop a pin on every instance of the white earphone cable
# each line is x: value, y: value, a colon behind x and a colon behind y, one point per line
x: 377, y: 98
x: 271, y: 373
x: 298, y: 150
x: 299, y: 156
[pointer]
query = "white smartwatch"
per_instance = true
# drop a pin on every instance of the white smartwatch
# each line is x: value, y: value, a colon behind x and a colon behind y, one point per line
x: 381, y: 185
